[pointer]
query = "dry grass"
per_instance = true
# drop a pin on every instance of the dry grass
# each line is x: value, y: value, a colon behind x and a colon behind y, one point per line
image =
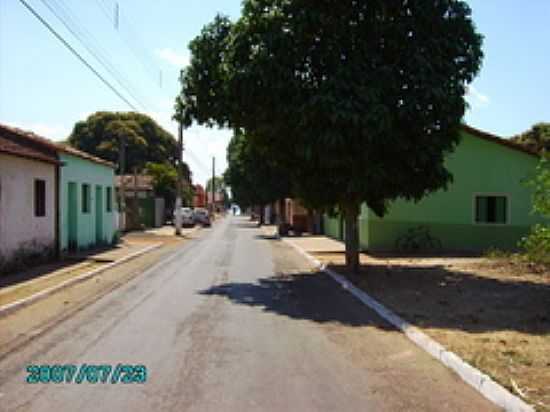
x: 495, y: 314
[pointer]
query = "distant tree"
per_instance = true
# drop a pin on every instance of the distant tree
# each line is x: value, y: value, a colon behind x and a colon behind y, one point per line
x: 220, y: 188
x: 253, y: 177
x: 101, y: 134
x: 165, y: 180
x: 537, y: 138
x: 360, y: 101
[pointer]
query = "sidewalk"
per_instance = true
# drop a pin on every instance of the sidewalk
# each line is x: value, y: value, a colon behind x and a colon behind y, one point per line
x: 494, y: 318
x: 21, y: 286
x: 100, y: 275
x: 24, y: 285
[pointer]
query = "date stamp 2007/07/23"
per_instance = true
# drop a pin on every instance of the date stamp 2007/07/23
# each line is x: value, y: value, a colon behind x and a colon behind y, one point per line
x: 85, y: 373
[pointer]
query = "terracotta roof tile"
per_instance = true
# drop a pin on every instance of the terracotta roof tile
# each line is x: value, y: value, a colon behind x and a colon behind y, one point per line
x: 498, y: 140
x: 19, y: 143
x: 15, y: 135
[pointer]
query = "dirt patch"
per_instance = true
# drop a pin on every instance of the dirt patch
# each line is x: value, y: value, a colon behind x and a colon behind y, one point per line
x: 493, y: 314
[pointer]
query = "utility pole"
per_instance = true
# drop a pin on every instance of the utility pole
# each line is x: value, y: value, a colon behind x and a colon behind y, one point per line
x: 213, y: 185
x: 121, y: 191
x: 179, y: 195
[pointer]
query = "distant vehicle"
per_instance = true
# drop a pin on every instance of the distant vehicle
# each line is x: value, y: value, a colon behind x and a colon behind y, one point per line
x: 187, y: 217
x: 201, y: 216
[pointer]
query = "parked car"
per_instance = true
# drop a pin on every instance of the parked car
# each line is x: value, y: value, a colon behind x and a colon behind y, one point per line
x: 187, y: 217
x: 202, y: 216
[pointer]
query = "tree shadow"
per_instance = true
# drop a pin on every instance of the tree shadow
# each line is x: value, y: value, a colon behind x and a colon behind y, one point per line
x: 300, y: 296
x: 434, y: 296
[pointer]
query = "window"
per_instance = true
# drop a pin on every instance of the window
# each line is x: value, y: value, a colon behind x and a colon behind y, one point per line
x: 85, y: 198
x: 39, y: 198
x: 491, y: 209
x: 109, y: 196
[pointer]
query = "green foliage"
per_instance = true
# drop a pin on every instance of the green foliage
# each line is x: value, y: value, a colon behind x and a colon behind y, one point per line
x: 165, y: 180
x: 541, y: 186
x: 253, y: 181
x: 537, y: 244
x: 359, y: 101
x: 536, y: 139
x: 101, y: 134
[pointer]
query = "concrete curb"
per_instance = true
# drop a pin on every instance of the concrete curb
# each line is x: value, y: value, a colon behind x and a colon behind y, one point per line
x: 493, y: 391
x: 19, y: 304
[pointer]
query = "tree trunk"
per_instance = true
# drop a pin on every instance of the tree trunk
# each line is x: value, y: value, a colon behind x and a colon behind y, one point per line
x: 352, y: 239
x: 261, y: 220
x: 282, y: 211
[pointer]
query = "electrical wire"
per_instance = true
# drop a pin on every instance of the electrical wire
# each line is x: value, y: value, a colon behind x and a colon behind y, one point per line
x: 65, y: 16
x: 76, y: 54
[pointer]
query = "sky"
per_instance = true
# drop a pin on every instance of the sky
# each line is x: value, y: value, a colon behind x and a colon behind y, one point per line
x: 46, y: 89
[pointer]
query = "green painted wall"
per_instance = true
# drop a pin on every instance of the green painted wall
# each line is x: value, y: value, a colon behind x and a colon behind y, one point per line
x: 479, y: 167
x: 332, y: 226
x: 85, y: 226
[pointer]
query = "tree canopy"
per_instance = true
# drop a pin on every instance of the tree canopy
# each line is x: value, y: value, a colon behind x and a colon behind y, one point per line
x: 359, y: 101
x: 102, y: 132
x: 254, y: 178
x: 537, y: 138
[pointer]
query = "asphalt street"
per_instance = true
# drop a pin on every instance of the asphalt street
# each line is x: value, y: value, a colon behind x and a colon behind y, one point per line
x: 234, y: 321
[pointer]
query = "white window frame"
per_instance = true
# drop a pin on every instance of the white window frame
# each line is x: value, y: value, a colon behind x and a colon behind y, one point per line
x: 508, y: 197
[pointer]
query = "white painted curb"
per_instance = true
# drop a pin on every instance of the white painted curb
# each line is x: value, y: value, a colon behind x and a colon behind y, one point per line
x: 19, y: 304
x: 493, y: 391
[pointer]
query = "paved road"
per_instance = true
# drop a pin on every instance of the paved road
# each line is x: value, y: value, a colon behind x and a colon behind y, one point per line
x: 235, y: 322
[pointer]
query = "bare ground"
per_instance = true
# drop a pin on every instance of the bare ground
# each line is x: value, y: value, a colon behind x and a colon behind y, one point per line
x: 495, y: 314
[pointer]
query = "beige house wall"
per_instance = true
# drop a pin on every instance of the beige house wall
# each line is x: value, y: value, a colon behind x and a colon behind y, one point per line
x: 19, y: 227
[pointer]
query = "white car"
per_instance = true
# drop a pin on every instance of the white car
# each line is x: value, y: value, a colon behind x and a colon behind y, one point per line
x: 187, y: 217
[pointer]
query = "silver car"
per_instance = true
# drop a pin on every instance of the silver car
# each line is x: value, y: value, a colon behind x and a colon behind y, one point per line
x: 202, y: 216
x: 187, y: 217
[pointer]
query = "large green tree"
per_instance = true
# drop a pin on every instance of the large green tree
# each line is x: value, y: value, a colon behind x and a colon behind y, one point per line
x: 360, y: 100
x: 254, y: 178
x: 537, y: 138
x: 102, y: 134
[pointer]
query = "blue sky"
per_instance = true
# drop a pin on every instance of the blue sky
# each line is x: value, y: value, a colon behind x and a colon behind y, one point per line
x: 46, y: 89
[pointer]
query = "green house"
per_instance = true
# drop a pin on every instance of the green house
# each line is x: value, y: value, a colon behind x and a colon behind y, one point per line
x: 86, y: 200
x: 487, y: 205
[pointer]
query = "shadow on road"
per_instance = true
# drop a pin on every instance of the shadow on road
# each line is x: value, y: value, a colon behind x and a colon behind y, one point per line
x: 301, y: 296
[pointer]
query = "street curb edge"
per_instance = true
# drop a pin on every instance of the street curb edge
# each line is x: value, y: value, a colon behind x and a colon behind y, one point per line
x: 490, y: 389
x: 19, y: 304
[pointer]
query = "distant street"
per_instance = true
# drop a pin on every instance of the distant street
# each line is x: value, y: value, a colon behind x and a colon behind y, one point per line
x: 235, y: 321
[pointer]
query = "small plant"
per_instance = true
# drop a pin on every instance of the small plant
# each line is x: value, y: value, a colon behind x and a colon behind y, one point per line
x: 494, y: 253
x: 418, y: 239
x: 536, y: 245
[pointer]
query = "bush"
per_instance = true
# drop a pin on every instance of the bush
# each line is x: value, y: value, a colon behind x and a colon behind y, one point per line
x: 537, y: 245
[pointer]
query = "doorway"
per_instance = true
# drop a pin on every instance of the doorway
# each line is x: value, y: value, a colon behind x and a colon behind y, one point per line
x: 72, y: 217
x: 98, y: 215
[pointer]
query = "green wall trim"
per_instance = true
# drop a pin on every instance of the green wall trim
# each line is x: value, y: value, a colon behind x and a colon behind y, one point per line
x: 479, y: 167
x: 84, y: 229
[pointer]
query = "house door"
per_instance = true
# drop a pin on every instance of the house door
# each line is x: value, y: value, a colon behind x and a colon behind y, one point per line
x: 98, y: 214
x: 72, y: 217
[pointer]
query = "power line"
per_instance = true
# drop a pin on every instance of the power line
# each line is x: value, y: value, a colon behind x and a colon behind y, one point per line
x: 128, y: 35
x: 76, y: 54
x: 65, y: 16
